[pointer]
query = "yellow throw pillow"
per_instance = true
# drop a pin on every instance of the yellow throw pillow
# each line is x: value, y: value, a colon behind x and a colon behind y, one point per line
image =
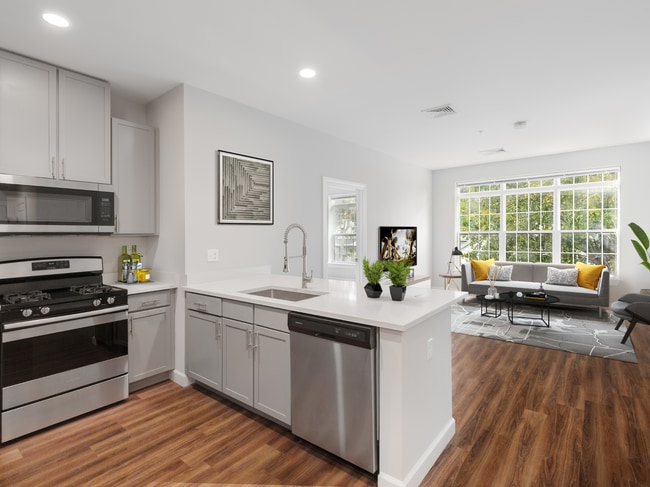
x: 589, y: 275
x: 481, y: 269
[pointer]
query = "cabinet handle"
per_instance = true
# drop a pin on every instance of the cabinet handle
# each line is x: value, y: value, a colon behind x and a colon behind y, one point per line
x: 150, y: 303
x: 130, y: 325
x: 63, y: 168
x: 201, y: 306
x: 217, y: 330
x: 249, y: 337
x: 53, y: 171
x: 256, y: 341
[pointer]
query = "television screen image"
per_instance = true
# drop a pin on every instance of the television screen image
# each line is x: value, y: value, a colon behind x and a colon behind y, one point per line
x: 398, y: 243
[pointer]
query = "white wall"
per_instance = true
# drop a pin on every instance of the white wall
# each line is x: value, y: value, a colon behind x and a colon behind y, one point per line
x: 634, y: 161
x: 398, y: 193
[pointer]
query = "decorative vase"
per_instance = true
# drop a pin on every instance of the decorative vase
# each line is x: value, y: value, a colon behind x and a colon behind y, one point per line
x: 373, y: 290
x: 492, y: 291
x: 397, y: 293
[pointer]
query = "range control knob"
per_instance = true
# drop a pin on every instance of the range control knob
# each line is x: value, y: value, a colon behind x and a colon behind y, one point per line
x: 45, y: 310
x: 97, y: 302
x: 27, y: 312
x: 110, y: 299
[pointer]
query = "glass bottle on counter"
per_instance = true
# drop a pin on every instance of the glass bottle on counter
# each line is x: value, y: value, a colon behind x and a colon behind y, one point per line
x: 123, y: 265
x: 136, y: 259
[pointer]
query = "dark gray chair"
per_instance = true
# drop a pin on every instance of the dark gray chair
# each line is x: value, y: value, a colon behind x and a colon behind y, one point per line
x: 619, y: 309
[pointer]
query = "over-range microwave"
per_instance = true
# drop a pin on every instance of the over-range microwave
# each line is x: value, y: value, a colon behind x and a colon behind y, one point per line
x: 33, y: 209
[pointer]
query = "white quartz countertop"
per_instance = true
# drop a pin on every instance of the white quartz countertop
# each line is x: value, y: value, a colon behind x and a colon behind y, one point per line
x: 145, y: 287
x: 342, y: 300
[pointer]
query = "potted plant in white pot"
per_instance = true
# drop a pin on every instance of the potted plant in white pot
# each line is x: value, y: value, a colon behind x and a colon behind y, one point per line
x: 641, y: 245
x: 398, y: 272
x: 374, y: 273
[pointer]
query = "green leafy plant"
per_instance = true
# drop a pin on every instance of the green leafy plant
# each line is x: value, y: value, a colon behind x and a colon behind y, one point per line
x: 398, y: 272
x: 374, y: 272
x: 641, y: 244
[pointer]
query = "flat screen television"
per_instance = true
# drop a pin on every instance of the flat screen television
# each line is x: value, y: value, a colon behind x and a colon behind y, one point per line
x: 398, y: 243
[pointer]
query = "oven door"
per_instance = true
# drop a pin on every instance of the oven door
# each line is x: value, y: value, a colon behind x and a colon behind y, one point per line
x: 61, y: 354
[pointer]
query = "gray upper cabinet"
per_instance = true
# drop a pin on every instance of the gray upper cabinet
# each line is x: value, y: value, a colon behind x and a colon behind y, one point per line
x: 84, y: 128
x: 54, y: 124
x: 28, y: 117
x: 134, y: 178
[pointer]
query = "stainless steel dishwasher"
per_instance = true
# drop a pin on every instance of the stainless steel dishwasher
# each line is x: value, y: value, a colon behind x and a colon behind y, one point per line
x: 334, y: 387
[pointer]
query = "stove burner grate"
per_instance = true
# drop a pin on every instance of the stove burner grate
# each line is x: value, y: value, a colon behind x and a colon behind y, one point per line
x: 91, y: 289
x: 28, y: 297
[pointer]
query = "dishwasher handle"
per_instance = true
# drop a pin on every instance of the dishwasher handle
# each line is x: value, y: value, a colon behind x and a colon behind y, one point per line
x: 354, y: 334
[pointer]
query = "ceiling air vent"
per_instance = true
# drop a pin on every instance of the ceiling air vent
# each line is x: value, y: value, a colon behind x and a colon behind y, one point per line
x: 441, y: 111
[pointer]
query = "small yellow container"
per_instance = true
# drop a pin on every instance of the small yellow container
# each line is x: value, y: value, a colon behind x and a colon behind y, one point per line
x: 144, y: 274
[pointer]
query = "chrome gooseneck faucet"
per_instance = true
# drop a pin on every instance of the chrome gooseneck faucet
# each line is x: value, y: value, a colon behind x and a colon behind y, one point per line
x: 305, y: 278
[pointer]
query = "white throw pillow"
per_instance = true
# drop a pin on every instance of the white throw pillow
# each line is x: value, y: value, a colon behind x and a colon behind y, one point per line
x: 504, y: 273
x: 562, y: 277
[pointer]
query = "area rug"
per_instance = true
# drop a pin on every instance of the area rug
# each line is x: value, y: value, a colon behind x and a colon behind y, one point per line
x: 571, y: 330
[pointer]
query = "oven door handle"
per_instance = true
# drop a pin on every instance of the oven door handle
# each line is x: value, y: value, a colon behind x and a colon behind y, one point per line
x: 20, y: 331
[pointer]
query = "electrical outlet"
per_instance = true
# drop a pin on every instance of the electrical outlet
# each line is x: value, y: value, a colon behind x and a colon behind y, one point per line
x: 213, y: 255
x: 429, y: 348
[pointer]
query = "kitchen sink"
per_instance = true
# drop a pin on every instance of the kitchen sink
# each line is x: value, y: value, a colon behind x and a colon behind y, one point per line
x: 284, y: 294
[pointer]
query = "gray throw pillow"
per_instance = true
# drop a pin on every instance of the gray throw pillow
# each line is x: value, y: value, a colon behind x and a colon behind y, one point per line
x: 562, y: 277
x: 504, y: 272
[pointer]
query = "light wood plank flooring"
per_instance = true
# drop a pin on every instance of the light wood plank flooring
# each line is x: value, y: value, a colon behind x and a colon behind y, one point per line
x: 525, y: 416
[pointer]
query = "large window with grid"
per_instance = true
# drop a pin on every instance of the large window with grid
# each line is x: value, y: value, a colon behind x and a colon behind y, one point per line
x: 561, y: 218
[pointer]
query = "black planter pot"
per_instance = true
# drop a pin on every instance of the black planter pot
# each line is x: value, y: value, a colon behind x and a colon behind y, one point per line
x: 397, y: 293
x: 373, y: 290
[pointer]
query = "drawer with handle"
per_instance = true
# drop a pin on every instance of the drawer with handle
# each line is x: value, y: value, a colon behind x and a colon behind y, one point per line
x: 150, y: 300
x: 203, y: 304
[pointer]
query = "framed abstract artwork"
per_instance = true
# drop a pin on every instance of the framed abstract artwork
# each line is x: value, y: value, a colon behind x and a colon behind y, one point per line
x: 245, y: 193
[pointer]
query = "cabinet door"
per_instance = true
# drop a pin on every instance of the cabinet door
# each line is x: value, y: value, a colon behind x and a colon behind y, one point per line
x: 84, y: 128
x: 27, y: 117
x: 150, y: 343
x: 134, y: 177
x: 238, y: 360
x: 273, y: 373
x: 204, y: 349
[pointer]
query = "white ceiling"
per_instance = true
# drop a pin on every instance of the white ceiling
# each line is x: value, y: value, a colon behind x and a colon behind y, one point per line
x: 576, y: 70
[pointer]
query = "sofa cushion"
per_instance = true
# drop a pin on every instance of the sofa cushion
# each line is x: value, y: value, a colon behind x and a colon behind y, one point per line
x: 503, y: 272
x: 562, y: 277
x: 589, y: 275
x: 481, y: 268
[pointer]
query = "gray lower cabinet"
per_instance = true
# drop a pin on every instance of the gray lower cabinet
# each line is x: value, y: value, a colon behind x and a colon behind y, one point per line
x: 244, y: 353
x: 150, y: 335
x: 205, y: 349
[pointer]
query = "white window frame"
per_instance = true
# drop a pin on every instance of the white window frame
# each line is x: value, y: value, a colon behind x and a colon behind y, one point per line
x: 338, y: 187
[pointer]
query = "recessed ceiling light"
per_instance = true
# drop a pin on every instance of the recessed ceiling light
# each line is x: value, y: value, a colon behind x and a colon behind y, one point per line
x: 307, y: 73
x: 55, y: 19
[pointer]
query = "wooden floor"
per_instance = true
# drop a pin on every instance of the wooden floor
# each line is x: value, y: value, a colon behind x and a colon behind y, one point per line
x: 525, y: 416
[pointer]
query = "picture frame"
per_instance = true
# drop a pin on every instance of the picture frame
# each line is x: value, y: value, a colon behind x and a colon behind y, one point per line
x: 245, y: 189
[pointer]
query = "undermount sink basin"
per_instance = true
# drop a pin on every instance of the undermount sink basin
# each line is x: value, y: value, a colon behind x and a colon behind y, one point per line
x: 285, y: 294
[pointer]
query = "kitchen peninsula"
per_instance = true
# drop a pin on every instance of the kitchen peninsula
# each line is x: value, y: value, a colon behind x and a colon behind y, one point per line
x: 414, y: 366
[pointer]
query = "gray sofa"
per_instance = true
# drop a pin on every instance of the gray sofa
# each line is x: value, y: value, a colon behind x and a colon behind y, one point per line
x: 527, y: 277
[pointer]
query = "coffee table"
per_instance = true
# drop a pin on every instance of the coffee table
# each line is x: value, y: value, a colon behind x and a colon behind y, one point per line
x: 487, y: 301
x: 544, y: 304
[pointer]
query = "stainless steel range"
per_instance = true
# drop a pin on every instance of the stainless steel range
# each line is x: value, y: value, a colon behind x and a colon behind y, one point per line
x: 64, y: 349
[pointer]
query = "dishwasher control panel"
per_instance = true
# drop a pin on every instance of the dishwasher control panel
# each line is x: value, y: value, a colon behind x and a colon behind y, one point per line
x: 329, y: 329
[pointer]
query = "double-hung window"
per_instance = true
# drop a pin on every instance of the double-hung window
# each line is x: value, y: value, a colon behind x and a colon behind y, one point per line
x: 561, y: 218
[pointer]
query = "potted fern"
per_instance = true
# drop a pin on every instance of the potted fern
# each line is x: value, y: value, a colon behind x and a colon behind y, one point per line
x: 641, y: 245
x: 398, y: 272
x: 374, y: 273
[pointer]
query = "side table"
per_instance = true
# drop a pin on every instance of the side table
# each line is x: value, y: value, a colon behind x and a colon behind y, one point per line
x: 448, y: 280
x: 486, y: 302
